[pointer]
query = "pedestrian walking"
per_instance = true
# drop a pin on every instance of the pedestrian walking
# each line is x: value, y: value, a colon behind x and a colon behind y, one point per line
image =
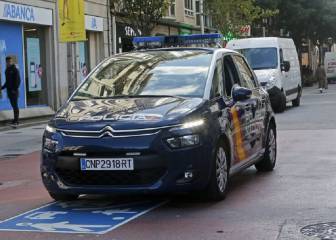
x: 321, y: 77
x: 12, y: 85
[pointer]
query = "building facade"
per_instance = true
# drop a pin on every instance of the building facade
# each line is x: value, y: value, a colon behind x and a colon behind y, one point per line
x: 49, y: 70
x: 182, y: 18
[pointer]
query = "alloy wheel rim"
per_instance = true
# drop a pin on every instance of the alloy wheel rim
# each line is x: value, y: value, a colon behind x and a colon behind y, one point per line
x: 272, y: 146
x: 221, y: 169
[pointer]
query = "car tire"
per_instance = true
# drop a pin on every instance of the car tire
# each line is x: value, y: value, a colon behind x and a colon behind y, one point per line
x: 297, y: 101
x: 63, y: 197
x: 280, y: 105
x: 268, y: 161
x: 219, y: 179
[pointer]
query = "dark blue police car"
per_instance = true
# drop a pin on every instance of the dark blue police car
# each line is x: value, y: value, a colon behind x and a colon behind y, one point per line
x: 166, y: 120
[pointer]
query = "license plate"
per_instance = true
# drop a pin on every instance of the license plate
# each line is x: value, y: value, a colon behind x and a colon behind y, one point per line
x: 110, y: 164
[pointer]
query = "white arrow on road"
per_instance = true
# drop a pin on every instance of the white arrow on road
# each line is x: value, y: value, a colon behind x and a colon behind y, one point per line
x: 61, y: 226
x: 115, y: 211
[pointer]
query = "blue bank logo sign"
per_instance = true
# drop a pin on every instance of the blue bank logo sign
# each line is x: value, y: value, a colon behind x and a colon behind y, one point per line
x: 25, y: 13
x: 82, y: 216
x: 93, y: 23
x: 19, y: 12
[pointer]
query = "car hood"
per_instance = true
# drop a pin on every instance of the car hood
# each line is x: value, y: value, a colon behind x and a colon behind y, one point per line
x: 265, y: 75
x: 125, y: 113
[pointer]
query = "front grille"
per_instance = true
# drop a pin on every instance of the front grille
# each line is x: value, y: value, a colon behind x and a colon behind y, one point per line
x: 110, y: 178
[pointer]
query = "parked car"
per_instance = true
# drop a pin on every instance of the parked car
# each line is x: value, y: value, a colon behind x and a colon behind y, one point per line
x: 167, y: 120
x: 276, y: 64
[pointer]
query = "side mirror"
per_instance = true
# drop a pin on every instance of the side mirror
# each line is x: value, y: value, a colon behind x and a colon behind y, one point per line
x: 285, y: 66
x: 241, y: 93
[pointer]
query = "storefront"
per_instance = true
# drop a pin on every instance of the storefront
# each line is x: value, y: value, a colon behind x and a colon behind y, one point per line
x: 90, y: 52
x: 23, y: 33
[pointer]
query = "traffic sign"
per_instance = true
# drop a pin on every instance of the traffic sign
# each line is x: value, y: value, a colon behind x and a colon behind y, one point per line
x: 82, y: 216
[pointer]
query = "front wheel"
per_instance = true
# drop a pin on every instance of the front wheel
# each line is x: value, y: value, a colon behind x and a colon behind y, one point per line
x: 297, y: 101
x: 219, y: 178
x: 63, y: 197
x: 268, y: 161
x: 279, y: 104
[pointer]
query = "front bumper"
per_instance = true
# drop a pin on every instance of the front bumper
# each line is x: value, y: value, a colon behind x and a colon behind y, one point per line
x: 157, y: 168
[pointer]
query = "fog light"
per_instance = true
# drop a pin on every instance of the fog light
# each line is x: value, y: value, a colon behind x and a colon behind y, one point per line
x: 188, y: 175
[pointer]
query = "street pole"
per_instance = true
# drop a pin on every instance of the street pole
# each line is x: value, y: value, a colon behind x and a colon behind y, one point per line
x: 201, y: 17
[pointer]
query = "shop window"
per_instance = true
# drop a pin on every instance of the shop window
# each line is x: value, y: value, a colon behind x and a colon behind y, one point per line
x: 84, y: 61
x: 35, y: 66
x: 11, y: 45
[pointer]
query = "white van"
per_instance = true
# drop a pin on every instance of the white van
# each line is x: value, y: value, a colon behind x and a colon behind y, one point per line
x: 276, y: 64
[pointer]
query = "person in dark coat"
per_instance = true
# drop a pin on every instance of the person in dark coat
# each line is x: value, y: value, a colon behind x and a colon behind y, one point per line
x: 12, y: 85
x: 321, y: 78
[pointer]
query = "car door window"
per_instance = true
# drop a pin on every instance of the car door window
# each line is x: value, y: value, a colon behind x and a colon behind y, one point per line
x: 217, y: 81
x: 247, y: 79
x: 231, y: 75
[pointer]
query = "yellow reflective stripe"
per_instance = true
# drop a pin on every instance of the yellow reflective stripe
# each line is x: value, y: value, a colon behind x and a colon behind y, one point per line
x: 239, y: 143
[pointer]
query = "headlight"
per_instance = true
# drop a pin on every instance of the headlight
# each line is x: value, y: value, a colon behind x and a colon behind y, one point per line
x: 271, y: 82
x: 50, y: 144
x: 50, y: 129
x: 193, y: 124
x: 184, y: 141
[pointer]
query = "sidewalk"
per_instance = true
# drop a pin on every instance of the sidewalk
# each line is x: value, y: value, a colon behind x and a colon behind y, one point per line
x: 24, y: 123
x: 21, y: 141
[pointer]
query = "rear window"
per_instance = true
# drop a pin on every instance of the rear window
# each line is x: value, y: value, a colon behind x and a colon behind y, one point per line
x: 174, y: 73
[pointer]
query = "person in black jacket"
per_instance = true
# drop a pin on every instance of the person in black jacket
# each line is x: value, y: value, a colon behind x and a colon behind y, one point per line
x: 12, y: 85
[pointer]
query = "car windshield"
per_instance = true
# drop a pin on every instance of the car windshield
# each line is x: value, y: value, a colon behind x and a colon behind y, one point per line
x: 152, y: 73
x: 261, y: 58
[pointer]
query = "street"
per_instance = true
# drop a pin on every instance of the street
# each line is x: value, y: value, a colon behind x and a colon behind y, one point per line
x: 275, y: 205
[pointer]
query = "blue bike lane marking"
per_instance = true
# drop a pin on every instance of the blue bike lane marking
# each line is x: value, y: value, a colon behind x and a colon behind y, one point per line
x: 78, y: 217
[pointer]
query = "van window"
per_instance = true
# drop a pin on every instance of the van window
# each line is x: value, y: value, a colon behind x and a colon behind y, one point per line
x: 261, y: 58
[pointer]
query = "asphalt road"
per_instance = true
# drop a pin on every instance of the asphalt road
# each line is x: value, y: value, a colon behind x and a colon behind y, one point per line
x: 267, y: 206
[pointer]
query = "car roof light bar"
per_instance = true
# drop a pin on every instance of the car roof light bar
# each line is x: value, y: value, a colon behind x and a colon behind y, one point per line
x: 177, y: 41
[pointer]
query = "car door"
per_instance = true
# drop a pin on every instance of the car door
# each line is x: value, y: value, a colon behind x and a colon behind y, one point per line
x: 254, y: 107
x: 239, y: 114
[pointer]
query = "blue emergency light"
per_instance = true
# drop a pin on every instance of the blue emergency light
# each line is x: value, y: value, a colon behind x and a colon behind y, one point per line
x: 177, y: 40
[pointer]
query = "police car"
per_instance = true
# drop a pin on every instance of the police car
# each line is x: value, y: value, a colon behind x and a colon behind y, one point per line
x: 176, y: 119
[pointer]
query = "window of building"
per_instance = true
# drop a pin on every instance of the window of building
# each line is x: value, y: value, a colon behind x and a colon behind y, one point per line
x: 35, y: 66
x: 171, y: 9
x: 189, y: 7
